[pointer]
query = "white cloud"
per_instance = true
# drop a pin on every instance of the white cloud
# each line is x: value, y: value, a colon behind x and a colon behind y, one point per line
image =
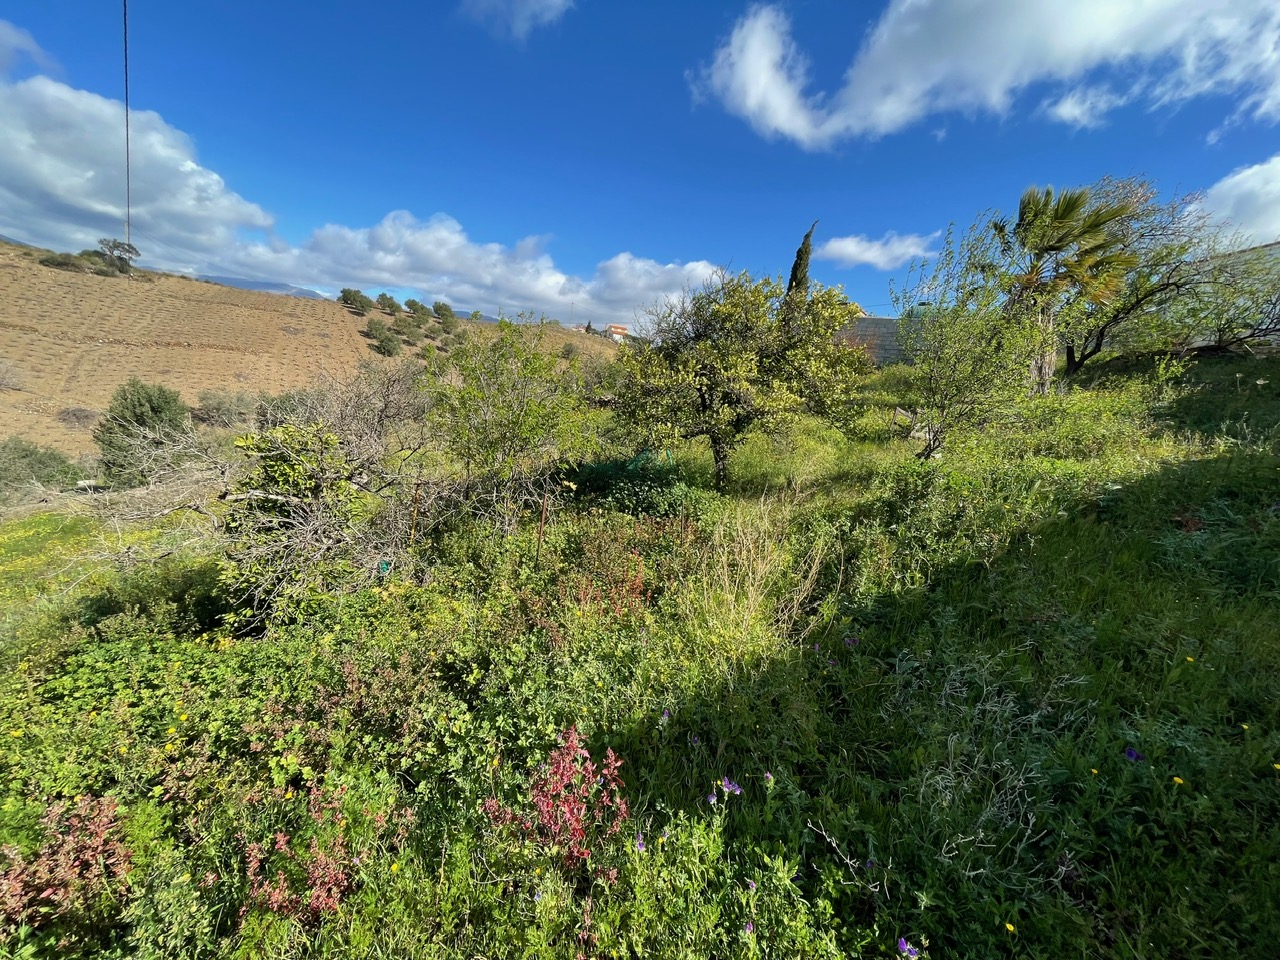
x: 1084, y: 107
x: 925, y: 57
x: 517, y: 17
x: 1248, y: 200
x: 62, y: 185
x: 889, y: 252
x: 16, y: 43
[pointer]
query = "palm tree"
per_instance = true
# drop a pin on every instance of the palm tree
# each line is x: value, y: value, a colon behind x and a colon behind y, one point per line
x: 1061, y: 245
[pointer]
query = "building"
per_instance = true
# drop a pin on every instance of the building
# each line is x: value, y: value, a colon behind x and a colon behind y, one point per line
x: 616, y: 332
x: 878, y: 336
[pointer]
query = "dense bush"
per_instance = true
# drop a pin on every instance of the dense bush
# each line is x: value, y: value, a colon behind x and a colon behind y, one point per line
x: 140, y: 421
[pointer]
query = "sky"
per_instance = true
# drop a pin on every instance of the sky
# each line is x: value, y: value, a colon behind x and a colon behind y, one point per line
x: 585, y: 158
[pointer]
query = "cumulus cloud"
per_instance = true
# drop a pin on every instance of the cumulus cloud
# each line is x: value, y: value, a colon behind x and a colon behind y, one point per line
x: 1248, y: 200
x: 517, y: 17
x: 888, y: 253
x: 1084, y: 107
x: 925, y: 57
x: 62, y: 185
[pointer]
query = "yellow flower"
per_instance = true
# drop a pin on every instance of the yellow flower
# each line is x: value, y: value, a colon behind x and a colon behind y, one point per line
x: 1191, y: 659
x: 395, y: 867
x: 123, y: 750
x: 182, y: 718
x: 177, y: 704
x: 1179, y: 781
x: 1244, y: 726
x: 172, y: 731
x: 1094, y: 771
x: 1276, y: 765
x: 15, y: 733
x: 495, y: 762
x: 1010, y: 927
x: 288, y: 795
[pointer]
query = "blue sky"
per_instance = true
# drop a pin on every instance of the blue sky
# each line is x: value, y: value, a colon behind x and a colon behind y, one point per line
x: 592, y: 156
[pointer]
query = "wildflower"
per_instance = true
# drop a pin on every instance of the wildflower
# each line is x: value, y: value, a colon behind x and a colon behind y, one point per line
x: 751, y: 885
x: 640, y: 842
x: 123, y: 750
x: 663, y: 839
x: 495, y: 762
x: 1010, y: 927
x: 730, y: 786
x: 749, y: 928
x: 288, y: 795
x: 172, y: 731
x: 1094, y: 771
x: 907, y: 949
x: 182, y: 719
x: 395, y: 867
x: 15, y: 733
x: 1179, y: 781
x: 1191, y: 659
x: 1276, y: 765
x: 768, y: 778
x: 1244, y: 726
x: 1134, y: 755
x: 711, y: 799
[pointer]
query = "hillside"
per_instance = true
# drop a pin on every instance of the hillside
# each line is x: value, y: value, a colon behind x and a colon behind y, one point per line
x: 68, y: 339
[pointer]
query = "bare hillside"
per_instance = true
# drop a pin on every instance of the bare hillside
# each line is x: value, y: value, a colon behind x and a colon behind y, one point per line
x: 67, y: 340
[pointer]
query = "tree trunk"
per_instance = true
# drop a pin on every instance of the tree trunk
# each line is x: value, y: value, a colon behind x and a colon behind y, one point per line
x: 720, y: 455
x: 1046, y: 360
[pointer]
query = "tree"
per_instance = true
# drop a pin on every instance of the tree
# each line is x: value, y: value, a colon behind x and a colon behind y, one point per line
x: 417, y: 308
x: 1171, y: 244
x: 389, y: 303
x: 508, y: 418
x: 970, y: 348
x: 442, y: 310
x: 141, y: 418
x: 478, y: 317
x: 1061, y: 245
x: 384, y: 340
x: 355, y: 300
x: 723, y: 359
x: 119, y: 253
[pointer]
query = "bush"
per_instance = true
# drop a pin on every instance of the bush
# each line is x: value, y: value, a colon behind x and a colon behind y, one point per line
x: 222, y: 408
x: 384, y: 341
x: 23, y: 463
x: 355, y: 300
x: 66, y: 261
x: 140, y: 420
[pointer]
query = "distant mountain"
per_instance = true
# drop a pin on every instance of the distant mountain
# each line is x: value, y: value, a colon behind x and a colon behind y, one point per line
x: 265, y: 286
x: 19, y: 243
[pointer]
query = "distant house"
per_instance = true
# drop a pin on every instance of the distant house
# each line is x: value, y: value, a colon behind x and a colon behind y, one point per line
x: 616, y: 332
x: 878, y: 336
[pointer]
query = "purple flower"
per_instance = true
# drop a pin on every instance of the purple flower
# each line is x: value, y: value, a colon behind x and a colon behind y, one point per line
x: 907, y: 949
x: 852, y: 641
x: 749, y: 928
x: 694, y: 739
x: 817, y: 647
x: 831, y: 663
x: 640, y: 842
x: 1134, y: 755
x: 751, y: 885
x: 666, y: 714
x: 730, y: 786
x: 711, y: 799
x: 768, y: 777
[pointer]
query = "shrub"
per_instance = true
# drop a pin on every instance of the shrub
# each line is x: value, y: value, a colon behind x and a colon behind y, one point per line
x: 384, y: 341
x: 140, y: 420
x: 65, y: 261
x: 222, y: 408
x: 389, y: 303
x: 355, y: 300
x: 23, y: 462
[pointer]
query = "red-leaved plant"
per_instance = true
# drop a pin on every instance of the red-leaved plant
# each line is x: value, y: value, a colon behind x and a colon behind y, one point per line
x: 76, y: 873
x: 577, y: 802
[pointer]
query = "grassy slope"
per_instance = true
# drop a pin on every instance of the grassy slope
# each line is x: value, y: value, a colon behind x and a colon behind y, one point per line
x: 941, y: 758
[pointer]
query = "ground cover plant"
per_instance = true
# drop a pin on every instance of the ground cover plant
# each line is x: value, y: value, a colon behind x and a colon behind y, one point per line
x: 447, y: 661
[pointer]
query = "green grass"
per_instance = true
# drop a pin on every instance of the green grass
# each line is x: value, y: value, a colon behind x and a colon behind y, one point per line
x: 924, y: 677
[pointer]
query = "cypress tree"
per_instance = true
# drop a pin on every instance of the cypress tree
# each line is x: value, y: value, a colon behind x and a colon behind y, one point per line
x: 800, y: 269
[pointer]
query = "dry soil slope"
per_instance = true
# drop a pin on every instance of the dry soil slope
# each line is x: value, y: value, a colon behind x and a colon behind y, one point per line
x: 67, y: 340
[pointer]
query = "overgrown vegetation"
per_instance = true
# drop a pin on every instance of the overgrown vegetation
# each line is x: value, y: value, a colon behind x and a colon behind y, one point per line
x: 485, y: 657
